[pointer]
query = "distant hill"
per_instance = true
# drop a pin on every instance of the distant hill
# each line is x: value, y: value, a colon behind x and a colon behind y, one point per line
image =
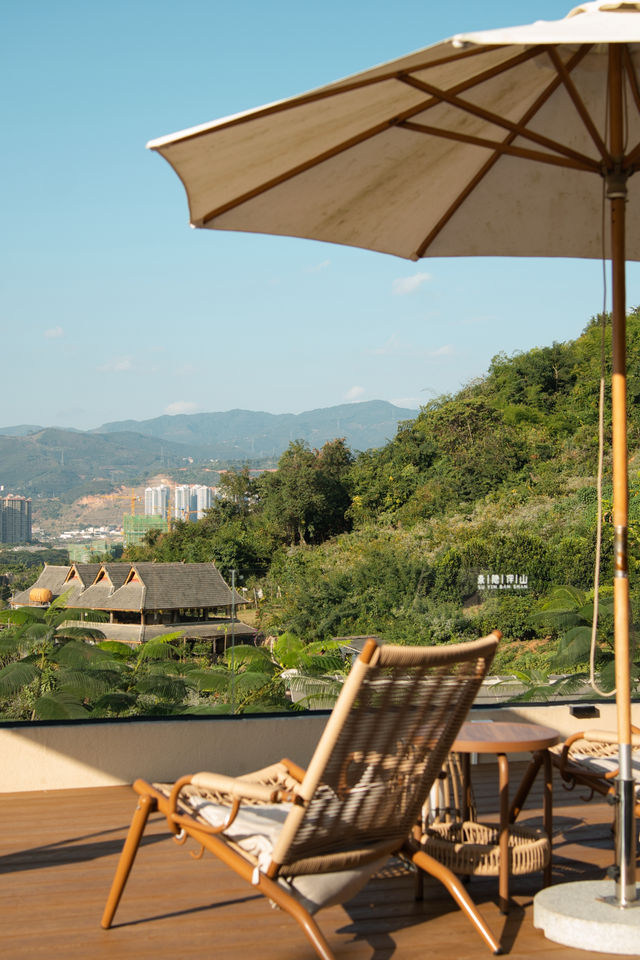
x: 69, y: 463
x: 238, y: 434
x: 20, y: 431
x: 57, y: 463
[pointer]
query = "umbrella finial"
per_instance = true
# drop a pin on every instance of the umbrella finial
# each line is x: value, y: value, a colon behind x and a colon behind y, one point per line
x: 606, y: 6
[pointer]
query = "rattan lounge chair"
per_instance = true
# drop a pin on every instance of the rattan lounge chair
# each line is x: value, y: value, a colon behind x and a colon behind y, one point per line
x: 590, y: 759
x: 309, y: 839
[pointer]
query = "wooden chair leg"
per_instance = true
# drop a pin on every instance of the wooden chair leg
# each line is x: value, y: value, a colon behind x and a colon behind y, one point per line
x: 288, y: 903
x: 455, y: 887
x: 128, y: 855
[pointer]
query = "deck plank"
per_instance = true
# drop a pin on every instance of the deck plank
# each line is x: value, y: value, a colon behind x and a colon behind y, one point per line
x: 59, y: 850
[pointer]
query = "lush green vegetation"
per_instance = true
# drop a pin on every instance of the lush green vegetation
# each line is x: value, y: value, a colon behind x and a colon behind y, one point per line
x: 498, y: 479
x: 495, y: 481
x: 52, y: 667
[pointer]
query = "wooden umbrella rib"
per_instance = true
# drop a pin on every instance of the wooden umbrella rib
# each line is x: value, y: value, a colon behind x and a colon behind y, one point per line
x: 517, y: 128
x: 358, y: 138
x: 500, y: 148
x: 295, y: 171
x: 633, y: 79
x: 631, y: 160
x: 579, y: 104
x: 326, y: 92
x: 490, y: 163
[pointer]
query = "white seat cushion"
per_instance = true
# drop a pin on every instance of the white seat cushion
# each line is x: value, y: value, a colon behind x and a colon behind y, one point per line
x: 256, y: 828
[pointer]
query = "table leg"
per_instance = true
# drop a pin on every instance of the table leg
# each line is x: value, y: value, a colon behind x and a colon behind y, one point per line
x: 525, y: 786
x: 548, y: 811
x: 466, y: 787
x: 503, y: 878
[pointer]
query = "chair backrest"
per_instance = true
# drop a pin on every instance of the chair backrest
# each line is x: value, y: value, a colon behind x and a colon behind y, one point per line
x: 384, y: 744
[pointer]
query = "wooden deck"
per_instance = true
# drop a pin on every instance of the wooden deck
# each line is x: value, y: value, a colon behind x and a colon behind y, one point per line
x: 58, y: 854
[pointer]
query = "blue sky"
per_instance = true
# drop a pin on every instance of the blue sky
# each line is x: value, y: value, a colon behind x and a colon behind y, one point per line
x: 114, y: 308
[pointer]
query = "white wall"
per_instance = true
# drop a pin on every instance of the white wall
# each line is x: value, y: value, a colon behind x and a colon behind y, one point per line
x: 65, y: 756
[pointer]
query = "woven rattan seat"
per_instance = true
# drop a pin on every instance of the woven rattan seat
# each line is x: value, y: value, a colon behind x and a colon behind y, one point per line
x: 590, y: 759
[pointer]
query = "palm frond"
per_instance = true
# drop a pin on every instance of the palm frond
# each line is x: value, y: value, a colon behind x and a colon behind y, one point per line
x: 317, y: 693
x: 97, y: 616
x: 162, y: 686
x: 159, y: 648
x: 79, y: 633
x: 17, y: 675
x: 208, y: 681
x: 116, y: 701
x: 117, y: 649
x: 254, y: 658
x: 59, y: 706
x: 75, y: 653
x: 21, y: 616
x: 83, y: 685
x: 574, y: 648
x: 208, y: 709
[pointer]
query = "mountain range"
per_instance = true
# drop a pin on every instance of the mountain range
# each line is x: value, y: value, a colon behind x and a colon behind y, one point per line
x: 52, y: 461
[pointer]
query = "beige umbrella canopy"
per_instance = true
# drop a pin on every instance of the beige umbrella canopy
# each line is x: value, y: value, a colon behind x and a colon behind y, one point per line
x: 480, y: 145
x: 501, y: 143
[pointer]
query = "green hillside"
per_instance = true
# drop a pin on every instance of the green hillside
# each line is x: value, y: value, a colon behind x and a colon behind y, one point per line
x: 479, y: 514
x: 496, y: 481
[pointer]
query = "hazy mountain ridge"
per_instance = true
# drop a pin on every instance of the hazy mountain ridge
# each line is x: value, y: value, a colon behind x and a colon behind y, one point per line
x: 54, y: 461
x: 249, y: 433
x: 20, y: 430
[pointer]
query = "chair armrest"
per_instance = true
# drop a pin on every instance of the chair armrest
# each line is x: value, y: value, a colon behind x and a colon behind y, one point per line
x: 610, y: 737
x: 294, y: 770
x: 236, y: 788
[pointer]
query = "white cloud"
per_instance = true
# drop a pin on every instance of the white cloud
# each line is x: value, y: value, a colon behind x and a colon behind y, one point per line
x: 181, y: 406
x: 394, y: 347
x: 388, y: 349
x: 354, y: 393
x: 445, y: 351
x: 54, y: 333
x: 117, y: 365
x: 319, y: 266
x: 404, y: 285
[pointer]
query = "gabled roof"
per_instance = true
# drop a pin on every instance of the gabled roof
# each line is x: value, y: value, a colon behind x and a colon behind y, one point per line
x: 171, y: 586
x: 52, y: 578
x: 136, y: 587
x: 80, y: 576
x: 109, y: 578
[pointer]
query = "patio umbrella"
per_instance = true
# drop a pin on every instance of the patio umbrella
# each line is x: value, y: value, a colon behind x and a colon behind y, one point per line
x: 500, y: 143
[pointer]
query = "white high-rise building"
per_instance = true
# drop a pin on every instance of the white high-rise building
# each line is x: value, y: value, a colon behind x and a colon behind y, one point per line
x: 182, y: 502
x: 156, y: 501
x: 191, y: 501
x: 203, y: 498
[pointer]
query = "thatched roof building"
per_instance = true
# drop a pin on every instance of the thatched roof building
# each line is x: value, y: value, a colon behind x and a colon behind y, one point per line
x: 143, y: 600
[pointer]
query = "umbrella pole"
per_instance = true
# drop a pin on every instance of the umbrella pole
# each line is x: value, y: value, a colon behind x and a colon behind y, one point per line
x: 616, y: 193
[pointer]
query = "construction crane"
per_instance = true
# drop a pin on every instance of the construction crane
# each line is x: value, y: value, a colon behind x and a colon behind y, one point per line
x: 126, y: 496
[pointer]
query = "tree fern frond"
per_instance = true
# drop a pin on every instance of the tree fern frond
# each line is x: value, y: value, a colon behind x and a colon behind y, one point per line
x: 59, y: 706
x: 162, y: 686
x: 17, y: 675
x: 117, y: 649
